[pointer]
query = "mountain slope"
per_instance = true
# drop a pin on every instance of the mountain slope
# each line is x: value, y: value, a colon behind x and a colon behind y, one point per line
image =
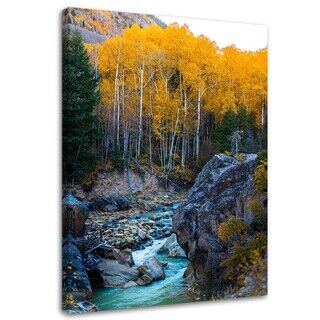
x: 98, y: 25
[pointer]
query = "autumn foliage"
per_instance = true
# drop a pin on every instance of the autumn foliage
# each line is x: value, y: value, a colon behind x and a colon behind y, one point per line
x: 232, y: 230
x: 164, y: 91
x: 246, y: 260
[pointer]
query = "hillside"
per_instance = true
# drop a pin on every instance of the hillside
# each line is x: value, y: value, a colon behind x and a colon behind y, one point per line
x: 97, y: 25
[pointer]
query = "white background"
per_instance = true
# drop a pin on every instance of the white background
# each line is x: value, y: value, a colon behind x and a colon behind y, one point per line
x: 29, y: 177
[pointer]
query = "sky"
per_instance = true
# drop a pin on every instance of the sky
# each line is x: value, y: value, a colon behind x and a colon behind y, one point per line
x: 245, y: 36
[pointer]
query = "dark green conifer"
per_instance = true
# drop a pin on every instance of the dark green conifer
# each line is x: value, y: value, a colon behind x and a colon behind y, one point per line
x: 79, y: 98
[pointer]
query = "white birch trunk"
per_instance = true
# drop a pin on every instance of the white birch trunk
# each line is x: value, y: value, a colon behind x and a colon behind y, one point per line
x: 170, y: 162
x: 140, y: 110
x: 184, y: 134
x: 115, y: 101
x: 118, y: 120
x: 198, y: 125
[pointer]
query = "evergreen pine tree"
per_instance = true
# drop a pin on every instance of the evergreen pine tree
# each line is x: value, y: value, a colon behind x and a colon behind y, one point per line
x: 79, y: 97
x: 223, y: 131
x: 232, y: 122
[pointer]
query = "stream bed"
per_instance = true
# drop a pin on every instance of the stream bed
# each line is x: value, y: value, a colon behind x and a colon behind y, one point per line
x: 170, y: 290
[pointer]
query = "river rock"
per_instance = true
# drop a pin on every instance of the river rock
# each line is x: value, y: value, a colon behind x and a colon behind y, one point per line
x: 122, y: 202
x: 129, y: 284
x: 141, y: 234
x: 110, y: 204
x: 140, y: 282
x: 158, y: 207
x: 110, y: 208
x: 144, y: 280
x: 172, y: 248
x: 113, y: 254
x: 109, y: 273
x: 153, y: 268
x: 221, y: 190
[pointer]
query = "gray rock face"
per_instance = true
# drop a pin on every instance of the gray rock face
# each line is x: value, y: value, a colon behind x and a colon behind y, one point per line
x: 221, y: 190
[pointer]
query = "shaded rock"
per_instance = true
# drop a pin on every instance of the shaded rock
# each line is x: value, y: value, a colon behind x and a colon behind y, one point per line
x: 152, y: 268
x: 222, y: 190
x: 146, y: 279
x: 188, y: 274
x: 122, y: 203
x: 110, y: 208
x: 99, y: 203
x: 172, y: 248
x: 75, y: 278
x: 128, y: 258
x: 140, y: 282
x: 110, y: 204
x: 109, y: 252
x: 74, y: 216
x: 158, y: 207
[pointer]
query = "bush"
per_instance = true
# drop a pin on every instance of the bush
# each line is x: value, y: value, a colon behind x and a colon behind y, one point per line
x: 89, y: 179
x: 261, y: 178
x: 260, y: 217
x: 184, y: 175
x: 262, y: 156
x: 231, y: 230
x: 228, y: 153
x: 246, y: 260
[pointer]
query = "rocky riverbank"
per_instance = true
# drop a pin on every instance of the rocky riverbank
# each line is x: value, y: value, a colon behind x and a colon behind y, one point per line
x: 147, y: 218
x: 103, y: 243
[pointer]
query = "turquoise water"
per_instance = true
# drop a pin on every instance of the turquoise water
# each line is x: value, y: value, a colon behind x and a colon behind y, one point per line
x: 170, y: 290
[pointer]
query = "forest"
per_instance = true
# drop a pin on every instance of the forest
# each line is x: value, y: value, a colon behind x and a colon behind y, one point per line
x: 163, y: 97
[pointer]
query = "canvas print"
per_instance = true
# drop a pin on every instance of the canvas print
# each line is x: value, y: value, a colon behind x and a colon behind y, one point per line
x: 164, y: 169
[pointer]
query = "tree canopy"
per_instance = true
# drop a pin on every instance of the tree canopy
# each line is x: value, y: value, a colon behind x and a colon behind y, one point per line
x: 165, y: 92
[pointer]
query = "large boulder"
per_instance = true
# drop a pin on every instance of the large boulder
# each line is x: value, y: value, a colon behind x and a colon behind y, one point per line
x: 109, y: 252
x: 74, y: 216
x: 110, y: 204
x: 222, y: 189
x: 153, y: 269
x: 172, y: 248
x: 76, y: 282
x: 109, y: 273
